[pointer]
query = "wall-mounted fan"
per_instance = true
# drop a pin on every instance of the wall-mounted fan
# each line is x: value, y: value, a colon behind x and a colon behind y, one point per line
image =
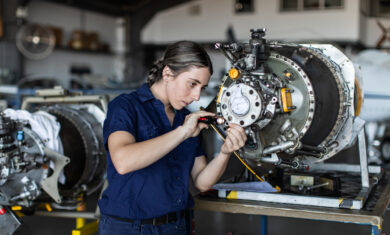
x: 35, y: 41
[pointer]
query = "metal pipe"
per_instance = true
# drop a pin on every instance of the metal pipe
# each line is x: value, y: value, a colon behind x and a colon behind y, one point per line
x: 313, y: 148
x: 279, y: 147
x: 307, y: 153
x: 272, y: 159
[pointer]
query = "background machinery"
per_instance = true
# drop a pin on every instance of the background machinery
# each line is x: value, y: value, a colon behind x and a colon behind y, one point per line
x: 33, y: 173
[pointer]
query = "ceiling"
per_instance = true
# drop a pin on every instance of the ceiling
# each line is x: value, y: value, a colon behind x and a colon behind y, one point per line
x: 119, y: 7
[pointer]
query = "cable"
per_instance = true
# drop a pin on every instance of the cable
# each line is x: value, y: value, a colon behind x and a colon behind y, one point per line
x: 236, y: 154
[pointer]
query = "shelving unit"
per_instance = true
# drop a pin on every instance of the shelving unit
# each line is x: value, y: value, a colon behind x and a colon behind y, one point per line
x: 97, y: 52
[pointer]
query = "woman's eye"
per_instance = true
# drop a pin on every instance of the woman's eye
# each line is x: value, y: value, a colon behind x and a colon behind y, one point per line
x: 192, y: 84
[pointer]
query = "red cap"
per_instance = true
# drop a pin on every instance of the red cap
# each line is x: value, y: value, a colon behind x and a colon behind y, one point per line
x: 2, y: 211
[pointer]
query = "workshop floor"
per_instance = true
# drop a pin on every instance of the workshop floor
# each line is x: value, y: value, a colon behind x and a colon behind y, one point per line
x: 209, y: 223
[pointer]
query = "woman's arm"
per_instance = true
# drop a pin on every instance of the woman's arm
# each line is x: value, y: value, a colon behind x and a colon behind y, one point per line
x: 206, y: 175
x: 127, y: 155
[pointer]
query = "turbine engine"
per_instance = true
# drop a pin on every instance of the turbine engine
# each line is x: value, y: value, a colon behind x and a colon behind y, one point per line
x: 296, y: 102
x: 32, y: 173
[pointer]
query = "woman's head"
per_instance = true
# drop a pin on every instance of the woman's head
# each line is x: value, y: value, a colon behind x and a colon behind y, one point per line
x: 182, y: 72
x: 180, y: 57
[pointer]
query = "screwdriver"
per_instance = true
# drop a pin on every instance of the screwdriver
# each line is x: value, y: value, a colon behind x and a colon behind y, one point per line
x: 212, y: 120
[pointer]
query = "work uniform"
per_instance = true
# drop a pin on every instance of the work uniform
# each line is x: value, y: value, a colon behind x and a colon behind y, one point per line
x: 155, y: 198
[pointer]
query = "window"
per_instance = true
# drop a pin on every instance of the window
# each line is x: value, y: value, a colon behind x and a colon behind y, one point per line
x: 311, y: 4
x: 384, y: 7
x: 333, y: 3
x: 380, y: 8
x: 290, y: 5
x: 243, y: 6
x: 304, y: 5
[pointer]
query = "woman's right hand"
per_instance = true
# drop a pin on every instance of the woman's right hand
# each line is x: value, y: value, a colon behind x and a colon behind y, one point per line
x: 192, y: 126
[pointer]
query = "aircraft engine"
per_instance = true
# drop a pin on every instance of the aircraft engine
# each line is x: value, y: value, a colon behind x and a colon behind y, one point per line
x: 30, y: 171
x: 296, y: 102
x: 23, y: 163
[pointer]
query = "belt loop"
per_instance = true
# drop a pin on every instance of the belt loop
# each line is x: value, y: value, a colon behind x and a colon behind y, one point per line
x: 154, y: 222
x: 137, y: 224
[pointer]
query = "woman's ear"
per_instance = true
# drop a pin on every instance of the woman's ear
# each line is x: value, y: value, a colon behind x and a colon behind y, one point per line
x: 167, y: 73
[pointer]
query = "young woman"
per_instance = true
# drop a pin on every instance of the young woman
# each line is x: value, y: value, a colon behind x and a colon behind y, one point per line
x: 153, y: 147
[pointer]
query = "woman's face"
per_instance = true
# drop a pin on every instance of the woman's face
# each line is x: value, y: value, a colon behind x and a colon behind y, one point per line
x: 185, y: 88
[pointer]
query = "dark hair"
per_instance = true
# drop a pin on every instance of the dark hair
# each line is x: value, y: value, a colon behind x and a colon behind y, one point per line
x: 180, y: 57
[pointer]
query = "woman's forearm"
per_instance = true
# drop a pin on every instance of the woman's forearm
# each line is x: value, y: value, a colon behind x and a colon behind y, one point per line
x: 212, y: 172
x: 134, y: 156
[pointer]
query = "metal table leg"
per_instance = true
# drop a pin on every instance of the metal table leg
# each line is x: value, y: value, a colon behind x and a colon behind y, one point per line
x: 263, y: 225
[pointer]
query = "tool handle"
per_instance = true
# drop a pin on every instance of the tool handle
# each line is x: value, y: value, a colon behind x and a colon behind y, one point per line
x: 212, y: 120
x: 208, y: 120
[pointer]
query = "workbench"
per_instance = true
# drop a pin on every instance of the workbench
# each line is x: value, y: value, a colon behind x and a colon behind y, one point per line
x: 371, y: 214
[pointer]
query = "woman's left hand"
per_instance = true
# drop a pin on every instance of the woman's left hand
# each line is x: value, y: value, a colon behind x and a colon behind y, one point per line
x: 235, y: 139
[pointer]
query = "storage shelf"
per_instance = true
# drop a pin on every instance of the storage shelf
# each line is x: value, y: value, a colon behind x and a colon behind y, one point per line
x: 67, y: 49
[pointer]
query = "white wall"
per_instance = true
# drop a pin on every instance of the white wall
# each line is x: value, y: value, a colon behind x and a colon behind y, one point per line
x: 57, y: 65
x: 176, y: 23
x: 371, y: 32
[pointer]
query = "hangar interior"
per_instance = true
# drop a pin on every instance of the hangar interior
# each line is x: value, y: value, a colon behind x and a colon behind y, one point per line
x: 307, y: 80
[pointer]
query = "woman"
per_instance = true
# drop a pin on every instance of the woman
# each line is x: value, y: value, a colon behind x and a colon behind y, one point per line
x: 153, y: 147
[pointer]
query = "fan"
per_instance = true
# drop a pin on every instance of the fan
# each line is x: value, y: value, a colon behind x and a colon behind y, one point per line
x: 35, y: 41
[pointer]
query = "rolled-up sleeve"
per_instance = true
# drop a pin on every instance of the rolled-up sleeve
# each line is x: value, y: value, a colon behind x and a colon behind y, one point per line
x: 120, y: 117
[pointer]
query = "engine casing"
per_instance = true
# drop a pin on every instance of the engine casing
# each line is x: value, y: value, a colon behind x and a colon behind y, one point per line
x: 296, y: 102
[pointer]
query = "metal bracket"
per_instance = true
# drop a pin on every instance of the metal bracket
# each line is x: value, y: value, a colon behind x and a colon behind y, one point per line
x: 48, y: 98
x: 363, y: 159
x: 50, y: 184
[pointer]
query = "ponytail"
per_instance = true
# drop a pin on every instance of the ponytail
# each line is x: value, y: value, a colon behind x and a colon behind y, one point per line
x: 155, y: 72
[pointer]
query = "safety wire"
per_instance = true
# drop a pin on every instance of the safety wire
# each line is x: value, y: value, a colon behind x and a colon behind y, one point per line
x: 236, y: 154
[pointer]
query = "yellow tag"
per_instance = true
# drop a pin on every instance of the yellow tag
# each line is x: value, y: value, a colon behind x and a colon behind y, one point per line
x: 278, y: 188
x: 340, y: 200
x: 232, y: 195
x: 219, y: 93
x: 286, y: 99
x: 48, y: 207
x: 16, y: 208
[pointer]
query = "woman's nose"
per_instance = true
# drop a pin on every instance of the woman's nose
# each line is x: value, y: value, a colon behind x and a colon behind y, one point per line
x: 196, y: 94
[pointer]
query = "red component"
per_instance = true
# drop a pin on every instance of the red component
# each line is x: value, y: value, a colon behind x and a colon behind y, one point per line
x: 307, y: 168
x: 212, y: 120
x: 208, y: 120
x: 2, y: 211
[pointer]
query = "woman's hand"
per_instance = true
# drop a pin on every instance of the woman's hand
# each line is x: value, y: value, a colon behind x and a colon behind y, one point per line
x: 191, y: 125
x: 235, y: 139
